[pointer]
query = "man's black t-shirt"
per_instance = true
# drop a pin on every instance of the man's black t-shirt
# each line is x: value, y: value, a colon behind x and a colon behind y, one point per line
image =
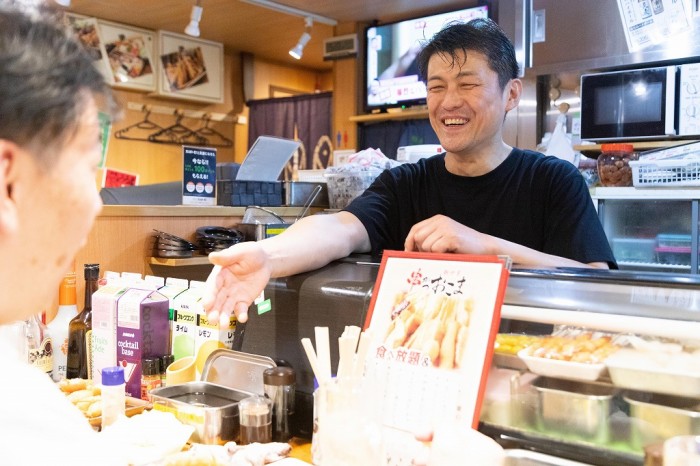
x: 538, y: 201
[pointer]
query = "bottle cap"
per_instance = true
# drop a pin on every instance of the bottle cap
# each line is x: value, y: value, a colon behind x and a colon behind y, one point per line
x: 113, y: 376
x: 150, y: 366
x: 279, y: 375
x: 165, y: 361
x: 92, y: 271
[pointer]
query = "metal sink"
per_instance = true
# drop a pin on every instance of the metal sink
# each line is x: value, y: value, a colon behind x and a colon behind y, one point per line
x: 530, y: 458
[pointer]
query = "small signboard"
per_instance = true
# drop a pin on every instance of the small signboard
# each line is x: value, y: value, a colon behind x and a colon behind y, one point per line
x: 199, y: 176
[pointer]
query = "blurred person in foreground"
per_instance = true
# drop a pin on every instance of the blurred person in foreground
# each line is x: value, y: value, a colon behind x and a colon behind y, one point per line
x: 49, y: 152
x: 480, y: 197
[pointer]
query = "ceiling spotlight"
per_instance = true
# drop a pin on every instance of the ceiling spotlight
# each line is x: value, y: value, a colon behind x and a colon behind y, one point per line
x: 192, y: 29
x: 298, y: 49
x: 63, y: 2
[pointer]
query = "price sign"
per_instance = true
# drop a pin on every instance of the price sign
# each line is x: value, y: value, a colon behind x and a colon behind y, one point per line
x: 199, y: 176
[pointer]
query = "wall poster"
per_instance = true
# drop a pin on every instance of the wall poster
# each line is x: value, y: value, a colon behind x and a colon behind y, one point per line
x: 651, y: 22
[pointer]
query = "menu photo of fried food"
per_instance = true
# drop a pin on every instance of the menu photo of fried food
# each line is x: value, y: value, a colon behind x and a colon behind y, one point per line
x: 85, y: 29
x: 436, y: 325
x: 128, y: 58
x: 184, y: 68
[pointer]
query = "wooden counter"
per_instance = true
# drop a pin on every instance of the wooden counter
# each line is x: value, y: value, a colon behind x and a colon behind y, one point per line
x: 121, y: 239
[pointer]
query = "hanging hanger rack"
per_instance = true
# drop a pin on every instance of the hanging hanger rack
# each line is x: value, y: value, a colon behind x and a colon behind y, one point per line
x: 145, y: 126
x: 214, y: 137
x: 193, y: 114
x: 178, y: 133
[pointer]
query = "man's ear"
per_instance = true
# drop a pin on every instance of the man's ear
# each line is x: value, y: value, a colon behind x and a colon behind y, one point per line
x: 9, y: 213
x: 513, y: 89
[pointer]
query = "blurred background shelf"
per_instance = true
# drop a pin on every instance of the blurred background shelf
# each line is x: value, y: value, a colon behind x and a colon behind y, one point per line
x: 179, y: 262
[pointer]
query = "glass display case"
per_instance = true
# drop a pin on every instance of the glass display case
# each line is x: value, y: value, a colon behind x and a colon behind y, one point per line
x: 652, y: 229
x: 595, y: 366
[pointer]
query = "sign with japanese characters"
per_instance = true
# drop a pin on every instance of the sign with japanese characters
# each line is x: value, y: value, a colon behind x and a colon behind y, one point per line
x: 199, y: 176
x: 434, y: 318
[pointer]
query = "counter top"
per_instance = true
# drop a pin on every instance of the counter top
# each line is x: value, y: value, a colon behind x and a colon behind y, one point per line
x: 190, y: 211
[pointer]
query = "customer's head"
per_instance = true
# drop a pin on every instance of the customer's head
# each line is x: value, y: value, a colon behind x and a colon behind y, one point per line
x: 50, y: 147
x: 479, y: 35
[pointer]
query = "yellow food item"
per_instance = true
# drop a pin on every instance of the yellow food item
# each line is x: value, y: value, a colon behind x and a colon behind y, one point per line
x: 512, y: 343
x: 584, y: 348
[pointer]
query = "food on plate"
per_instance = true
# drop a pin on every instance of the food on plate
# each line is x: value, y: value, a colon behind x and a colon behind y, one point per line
x: 230, y: 454
x: 585, y: 347
x: 511, y: 343
x: 436, y: 325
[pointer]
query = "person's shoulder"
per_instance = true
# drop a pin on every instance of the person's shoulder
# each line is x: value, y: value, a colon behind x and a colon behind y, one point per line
x: 539, y: 161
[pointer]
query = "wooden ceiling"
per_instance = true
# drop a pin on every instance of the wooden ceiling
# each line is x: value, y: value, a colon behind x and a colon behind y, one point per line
x: 263, y: 32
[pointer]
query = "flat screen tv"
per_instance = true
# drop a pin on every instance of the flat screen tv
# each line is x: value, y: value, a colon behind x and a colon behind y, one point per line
x: 391, y: 73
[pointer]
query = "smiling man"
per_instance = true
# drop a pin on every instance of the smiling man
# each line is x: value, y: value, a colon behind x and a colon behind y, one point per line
x: 480, y: 197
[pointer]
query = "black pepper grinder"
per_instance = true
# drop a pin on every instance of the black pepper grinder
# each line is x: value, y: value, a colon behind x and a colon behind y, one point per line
x: 279, y: 387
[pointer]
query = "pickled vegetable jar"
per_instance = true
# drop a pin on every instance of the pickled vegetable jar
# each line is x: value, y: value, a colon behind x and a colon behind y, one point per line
x: 613, y: 164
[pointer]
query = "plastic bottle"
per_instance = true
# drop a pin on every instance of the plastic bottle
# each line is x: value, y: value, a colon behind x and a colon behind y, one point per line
x: 58, y: 327
x: 80, y: 329
x: 38, y: 342
x: 113, y: 395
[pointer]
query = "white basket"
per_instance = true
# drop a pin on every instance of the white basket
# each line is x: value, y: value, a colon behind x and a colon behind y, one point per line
x: 649, y: 174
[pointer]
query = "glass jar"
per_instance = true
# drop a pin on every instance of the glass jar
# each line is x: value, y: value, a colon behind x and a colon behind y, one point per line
x: 613, y: 164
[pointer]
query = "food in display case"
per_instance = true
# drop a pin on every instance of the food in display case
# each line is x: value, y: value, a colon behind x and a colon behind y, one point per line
x: 512, y: 343
x: 575, y: 355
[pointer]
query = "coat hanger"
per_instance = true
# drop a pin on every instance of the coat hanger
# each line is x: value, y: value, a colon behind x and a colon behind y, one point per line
x: 178, y: 133
x: 214, y: 137
x: 139, y: 131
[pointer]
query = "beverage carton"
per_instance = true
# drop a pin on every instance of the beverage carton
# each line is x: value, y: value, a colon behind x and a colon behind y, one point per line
x: 142, y: 332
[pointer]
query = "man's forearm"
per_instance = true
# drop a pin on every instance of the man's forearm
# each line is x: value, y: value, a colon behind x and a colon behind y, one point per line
x: 314, y: 241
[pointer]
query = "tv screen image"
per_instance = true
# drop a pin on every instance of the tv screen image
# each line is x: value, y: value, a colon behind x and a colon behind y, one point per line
x: 390, y: 68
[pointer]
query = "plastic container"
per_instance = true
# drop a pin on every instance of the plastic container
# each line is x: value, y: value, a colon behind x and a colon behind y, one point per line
x: 346, y: 185
x: 113, y: 395
x: 255, y: 414
x: 279, y: 387
x: 634, y: 249
x: 613, y: 164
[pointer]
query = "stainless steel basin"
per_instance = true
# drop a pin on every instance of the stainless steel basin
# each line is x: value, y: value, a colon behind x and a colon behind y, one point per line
x: 530, y: 458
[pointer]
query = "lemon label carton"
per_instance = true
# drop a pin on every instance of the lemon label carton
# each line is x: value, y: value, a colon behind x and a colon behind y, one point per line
x: 210, y: 336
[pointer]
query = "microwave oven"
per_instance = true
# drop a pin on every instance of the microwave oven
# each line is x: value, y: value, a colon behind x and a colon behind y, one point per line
x: 649, y: 103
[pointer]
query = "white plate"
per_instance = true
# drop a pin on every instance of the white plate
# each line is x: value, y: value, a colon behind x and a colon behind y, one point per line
x: 562, y: 369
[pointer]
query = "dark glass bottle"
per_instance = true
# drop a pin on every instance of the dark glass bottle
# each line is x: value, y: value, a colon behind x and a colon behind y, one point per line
x: 80, y: 329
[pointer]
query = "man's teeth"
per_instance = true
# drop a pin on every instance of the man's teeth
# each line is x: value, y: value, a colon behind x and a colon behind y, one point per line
x: 454, y: 121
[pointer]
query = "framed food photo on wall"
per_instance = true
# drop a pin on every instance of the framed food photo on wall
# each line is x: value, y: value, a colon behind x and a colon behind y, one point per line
x: 191, y: 69
x: 128, y: 55
x: 86, y: 30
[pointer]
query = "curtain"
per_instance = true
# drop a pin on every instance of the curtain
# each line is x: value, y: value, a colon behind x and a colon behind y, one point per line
x: 306, y: 118
x: 388, y: 136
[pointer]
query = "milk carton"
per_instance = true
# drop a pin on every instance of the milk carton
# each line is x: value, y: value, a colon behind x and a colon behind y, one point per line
x: 142, y: 332
x: 104, y: 327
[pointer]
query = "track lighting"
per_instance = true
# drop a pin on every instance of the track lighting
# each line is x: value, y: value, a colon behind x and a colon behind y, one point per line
x: 298, y: 49
x: 192, y: 29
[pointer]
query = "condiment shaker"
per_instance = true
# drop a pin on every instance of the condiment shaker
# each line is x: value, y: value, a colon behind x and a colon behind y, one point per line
x: 279, y: 385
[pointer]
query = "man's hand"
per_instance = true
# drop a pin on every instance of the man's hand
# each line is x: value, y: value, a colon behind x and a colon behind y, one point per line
x: 442, y: 234
x: 240, y: 274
